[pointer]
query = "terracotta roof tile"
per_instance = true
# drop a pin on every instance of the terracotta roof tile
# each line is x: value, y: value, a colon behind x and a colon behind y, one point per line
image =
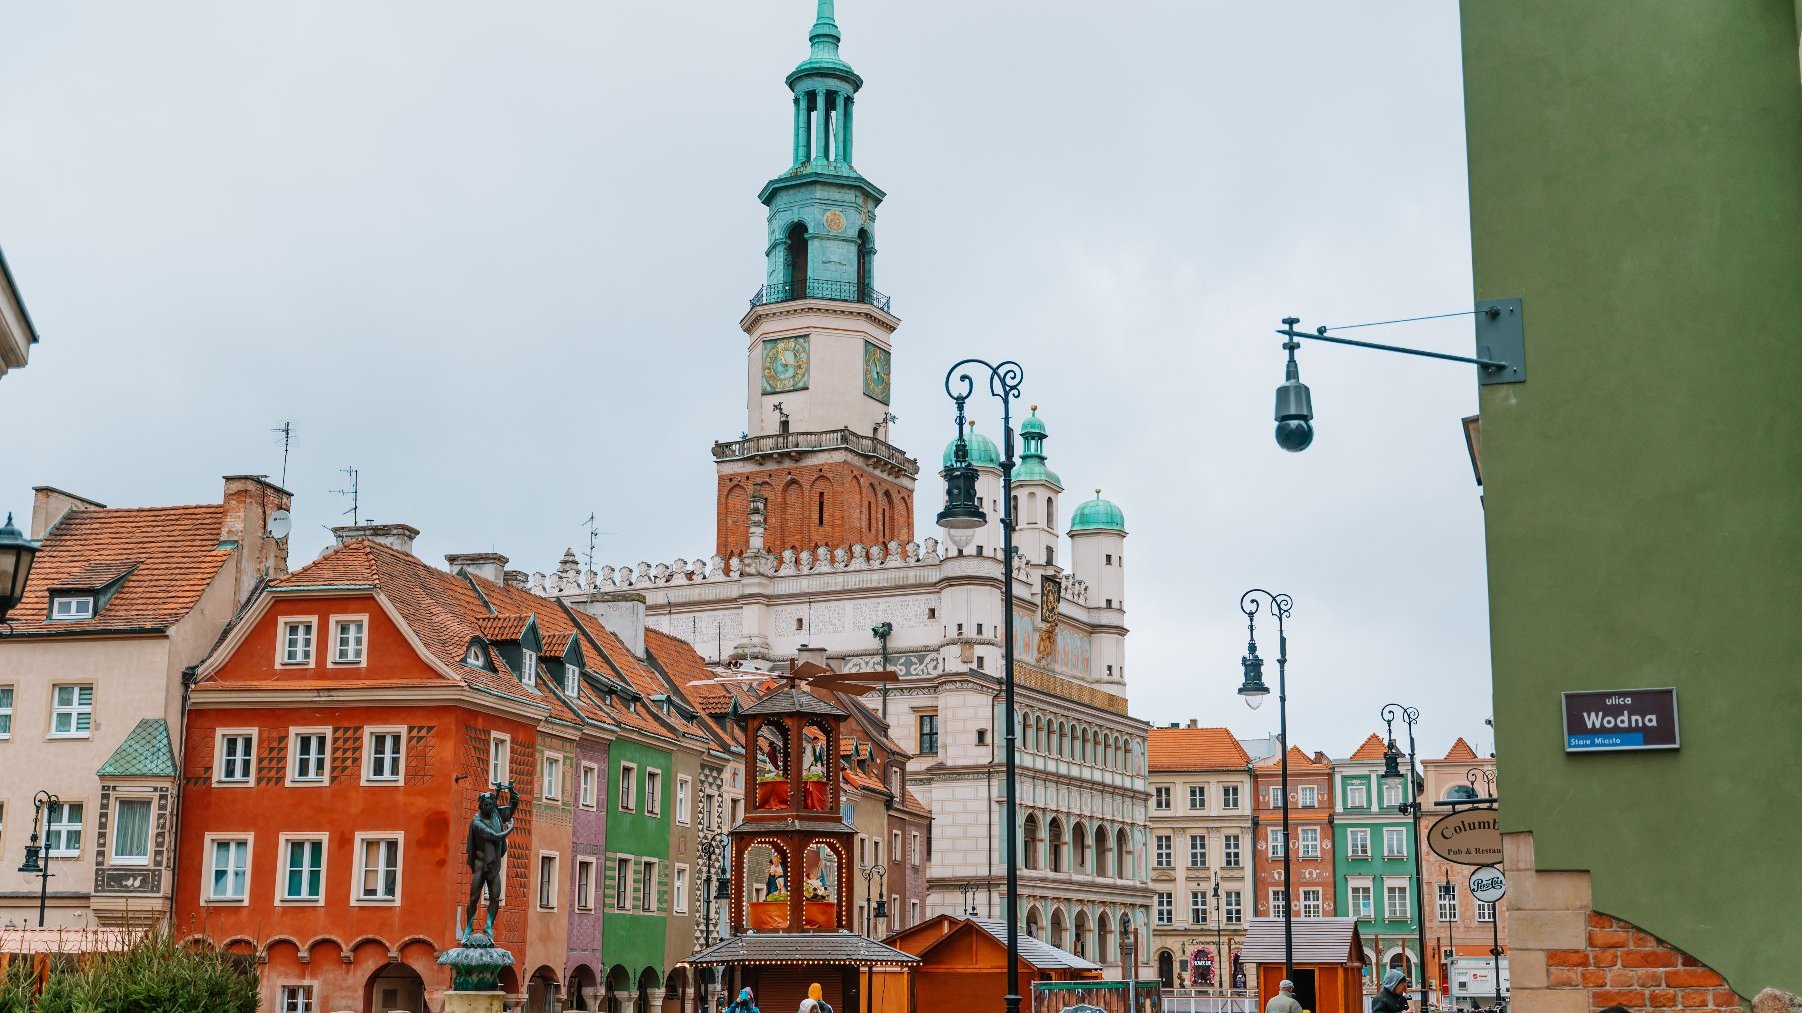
x: 1372, y: 749
x: 1194, y: 749
x: 502, y: 629
x: 1461, y: 751
x: 178, y: 554
x: 96, y: 575
x: 1297, y: 758
x: 557, y: 643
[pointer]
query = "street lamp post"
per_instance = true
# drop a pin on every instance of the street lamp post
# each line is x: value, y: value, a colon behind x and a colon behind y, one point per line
x: 16, y: 555
x: 1219, y: 938
x: 960, y: 519
x: 1448, y: 953
x: 1254, y: 691
x: 875, y: 908
x: 37, y: 858
x: 1410, y: 806
x: 713, y: 865
x: 1127, y: 946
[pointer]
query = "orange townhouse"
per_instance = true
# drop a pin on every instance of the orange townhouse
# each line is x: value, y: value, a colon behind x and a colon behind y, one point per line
x: 337, y: 742
x: 1310, y: 819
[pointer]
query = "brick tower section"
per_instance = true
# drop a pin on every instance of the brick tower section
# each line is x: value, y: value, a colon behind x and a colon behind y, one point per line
x: 832, y: 503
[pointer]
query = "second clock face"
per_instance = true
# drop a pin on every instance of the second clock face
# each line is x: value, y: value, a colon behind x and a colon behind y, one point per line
x: 785, y: 364
x: 876, y: 371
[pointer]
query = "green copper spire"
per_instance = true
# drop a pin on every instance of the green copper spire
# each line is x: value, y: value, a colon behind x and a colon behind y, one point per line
x: 825, y: 34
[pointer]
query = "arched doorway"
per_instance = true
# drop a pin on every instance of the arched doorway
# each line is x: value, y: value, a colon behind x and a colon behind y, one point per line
x: 1060, y: 935
x: 619, y: 990
x: 394, y: 987
x: 1079, y: 944
x: 541, y: 992
x: 581, y: 988
x: 1033, y: 924
x: 648, y: 982
x: 1166, y: 968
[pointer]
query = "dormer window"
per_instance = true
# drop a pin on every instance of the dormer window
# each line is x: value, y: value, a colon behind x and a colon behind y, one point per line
x: 572, y: 678
x: 68, y: 608
x: 473, y: 657
x: 528, y: 667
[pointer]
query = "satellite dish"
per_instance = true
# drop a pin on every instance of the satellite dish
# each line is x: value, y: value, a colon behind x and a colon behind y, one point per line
x: 280, y: 523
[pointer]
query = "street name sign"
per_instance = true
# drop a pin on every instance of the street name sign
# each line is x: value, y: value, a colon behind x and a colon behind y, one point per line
x: 1609, y: 720
x: 1472, y: 837
x: 1488, y: 884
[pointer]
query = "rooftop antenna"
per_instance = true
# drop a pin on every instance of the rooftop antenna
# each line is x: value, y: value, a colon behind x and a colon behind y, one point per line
x: 352, y: 492
x: 287, y: 431
x: 594, y: 537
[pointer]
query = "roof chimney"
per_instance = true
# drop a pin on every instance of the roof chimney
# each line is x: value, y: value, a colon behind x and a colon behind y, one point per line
x: 516, y: 578
x: 395, y: 536
x: 50, y: 504
x: 1193, y: 723
x: 817, y: 655
x: 260, y: 552
x: 623, y: 613
x: 490, y: 566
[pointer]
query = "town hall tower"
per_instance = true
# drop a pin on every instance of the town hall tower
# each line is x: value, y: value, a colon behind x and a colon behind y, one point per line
x: 815, y: 467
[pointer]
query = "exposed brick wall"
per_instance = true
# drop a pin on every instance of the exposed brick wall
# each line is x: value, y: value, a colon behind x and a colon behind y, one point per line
x: 1625, y: 966
x: 861, y: 507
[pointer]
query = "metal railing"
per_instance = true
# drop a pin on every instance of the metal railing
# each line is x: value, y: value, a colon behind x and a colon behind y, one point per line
x: 831, y: 439
x: 821, y: 288
x: 1210, y: 1000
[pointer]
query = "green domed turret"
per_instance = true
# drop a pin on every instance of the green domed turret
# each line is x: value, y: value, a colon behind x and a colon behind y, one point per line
x: 1097, y: 515
x: 1032, y: 455
x: 983, y: 452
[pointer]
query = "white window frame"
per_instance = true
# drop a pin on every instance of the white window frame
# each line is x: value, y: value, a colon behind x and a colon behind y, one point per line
x: 400, y: 756
x: 1389, y: 889
x: 1308, y: 797
x: 219, y: 758
x: 1160, y: 797
x: 1198, y: 798
x: 1357, y: 842
x: 11, y: 695
x: 210, y: 842
x: 59, y: 614
x: 588, y: 797
x: 1279, y: 901
x: 1165, y: 907
x: 653, y: 794
x: 547, y: 884
x: 1364, y: 892
x: 1485, y: 912
x: 679, y: 889
x: 528, y: 666
x: 628, y: 787
x: 112, y: 846
x: 76, y: 710
x: 894, y: 846
x: 684, y: 787
x: 1229, y: 797
x: 62, y: 829
x: 1233, y: 908
x: 361, y: 655
x: 1161, y: 856
x: 572, y: 680
x: 1232, y: 854
x: 1274, y: 843
x: 551, y: 772
x: 913, y: 848
x: 282, y: 858
x: 1308, y: 843
x: 306, y: 652
x: 1198, y: 907
x: 1448, y: 902
x: 500, y: 748
x: 325, y: 757
x: 1392, y: 793
x: 1357, y: 794
x: 1311, y: 900
x: 295, y: 998
x: 359, y: 869
x: 647, y: 885
x: 622, y: 882
x: 1399, y: 835
x: 1202, y: 841
x: 585, y: 890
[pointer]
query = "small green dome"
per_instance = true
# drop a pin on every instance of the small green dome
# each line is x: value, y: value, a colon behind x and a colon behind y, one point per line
x: 1033, y: 426
x: 1097, y: 515
x: 983, y: 452
x: 1032, y: 455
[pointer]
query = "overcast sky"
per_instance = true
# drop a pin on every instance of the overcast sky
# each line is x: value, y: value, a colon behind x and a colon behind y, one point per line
x: 494, y: 256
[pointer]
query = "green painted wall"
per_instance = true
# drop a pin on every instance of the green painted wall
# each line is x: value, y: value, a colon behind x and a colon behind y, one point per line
x: 631, y: 939
x: 1372, y: 819
x: 1636, y: 177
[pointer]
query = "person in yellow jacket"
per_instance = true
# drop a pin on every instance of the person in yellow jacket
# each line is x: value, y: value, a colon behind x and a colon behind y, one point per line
x: 815, y: 1001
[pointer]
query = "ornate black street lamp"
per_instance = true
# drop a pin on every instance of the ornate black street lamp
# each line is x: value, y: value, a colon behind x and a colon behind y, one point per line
x: 1220, y: 937
x: 1254, y: 691
x: 37, y: 859
x: 714, y: 887
x: 960, y: 519
x: 16, y: 555
x: 1410, y: 806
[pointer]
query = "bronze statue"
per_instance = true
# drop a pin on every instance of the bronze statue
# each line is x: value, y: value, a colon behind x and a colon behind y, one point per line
x: 486, y: 850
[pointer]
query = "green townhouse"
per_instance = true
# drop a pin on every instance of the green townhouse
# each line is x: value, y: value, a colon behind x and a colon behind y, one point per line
x: 1373, y: 847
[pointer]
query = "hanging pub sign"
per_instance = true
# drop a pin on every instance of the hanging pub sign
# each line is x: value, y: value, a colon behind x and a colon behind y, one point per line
x: 1615, y: 719
x: 1471, y: 837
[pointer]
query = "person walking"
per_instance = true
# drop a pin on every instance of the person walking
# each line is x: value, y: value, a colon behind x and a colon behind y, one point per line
x: 1394, y: 995
x: 815, y: 1001
x: 1284, y: 999
x: 744, y: 1003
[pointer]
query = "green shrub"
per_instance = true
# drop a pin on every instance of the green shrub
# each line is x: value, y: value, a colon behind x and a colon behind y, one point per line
x: 156, y: 975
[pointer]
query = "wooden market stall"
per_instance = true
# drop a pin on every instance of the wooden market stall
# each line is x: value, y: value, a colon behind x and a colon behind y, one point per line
x: 963, y: 963
x: 1329, y: 962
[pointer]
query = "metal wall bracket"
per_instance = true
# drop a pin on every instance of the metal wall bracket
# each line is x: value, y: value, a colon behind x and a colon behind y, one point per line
x: 1501, y: 336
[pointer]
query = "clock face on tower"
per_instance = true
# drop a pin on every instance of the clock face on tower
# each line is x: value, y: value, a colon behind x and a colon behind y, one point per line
x: 785, y: 364
x: 876, y: 371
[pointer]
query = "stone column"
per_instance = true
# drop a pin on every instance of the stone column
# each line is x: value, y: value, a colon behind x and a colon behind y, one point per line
x: 800, y: 127
x: 821, y: 141
x: 844, y: 131
x: 654, y: 999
